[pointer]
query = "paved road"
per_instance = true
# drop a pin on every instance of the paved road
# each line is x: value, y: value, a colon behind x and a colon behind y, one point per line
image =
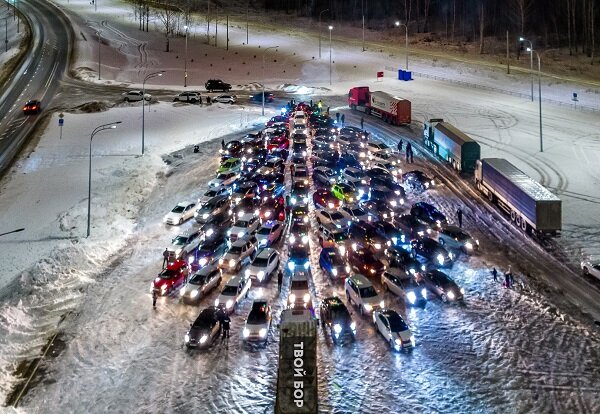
x: 37, y: 77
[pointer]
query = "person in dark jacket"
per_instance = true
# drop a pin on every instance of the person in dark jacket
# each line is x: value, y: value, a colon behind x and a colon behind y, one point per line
x: 459, y: 215
x: 508, y: 277
x: 165, y: 258
x: 337, y: 117
x: 154, y: 297
x: 362, y: 123
x: 495, y: 274
x: 226, y: 325
x: 279, y: 280
x: 343, y: 119
x: 408, y: 151
x: 221, y: 317
x: 400, y: 145
x: 222, y: 144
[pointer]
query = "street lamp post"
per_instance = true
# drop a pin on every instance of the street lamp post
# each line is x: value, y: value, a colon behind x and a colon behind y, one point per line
x: 149, y: 76
x: 323, y: 11
x: 99, y: 44
x: 531, y: 51
x: 330, y: 29
x: 362, y: 4
x: 522, y: 39
x: 398, y: 24
x: 104, y: 127
x: 6, y: 34
x: 247, y: 5
x: 263, y: 76
x: 185, y: 59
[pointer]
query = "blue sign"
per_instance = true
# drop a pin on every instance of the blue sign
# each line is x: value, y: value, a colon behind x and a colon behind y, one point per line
x: 61, y: 122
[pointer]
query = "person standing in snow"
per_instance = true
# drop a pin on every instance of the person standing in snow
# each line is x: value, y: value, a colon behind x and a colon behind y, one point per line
x: 165, y: 258
x: 495, y: 274
x: 408, y: 152
x: 154, y: 297
x: 279, y: 280
x: 343, y: 119
x: 508, y: 277
x: 362, y: 123
x: 337, y: 117
x: 220, y: 317
x: 400, y: 145
x: 226, y: 326
x: 459, y: 215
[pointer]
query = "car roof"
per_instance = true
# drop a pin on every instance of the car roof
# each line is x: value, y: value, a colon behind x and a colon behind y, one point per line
x: 360, y: 280
x: 234, y: 281
x: 185, y: 203
x: 239, y: 242
x: 246, y: 217
x: 299, y: 276
x: 265, y: 253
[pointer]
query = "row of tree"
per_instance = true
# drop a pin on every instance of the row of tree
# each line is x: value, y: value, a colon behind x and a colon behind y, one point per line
x: 548, y: 23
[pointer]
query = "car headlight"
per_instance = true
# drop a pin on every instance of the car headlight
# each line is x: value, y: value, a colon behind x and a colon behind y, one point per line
x: 268, y: 214
x: 182, y: 291
x: 306, y: 265
x: 186, y: 338
x: 178, y: 251
x: 426, y: 185
x: 305, y: 219
x: 191, y: 259
x: 304, y: 239
x: 229, y: 304
x: 292, y: 239
x: 395, y: 240
x: 353, y: 326
x: 330, y: 205
x: 262, y: 332
x: 306, y: 298
x: 241, y: 234
x: 462, y: 290
x: 203, y: 339
x: 411, y: 271
x: 412, y: 298
x: 231, y: 262
x: 203, y: 261
x: 334, y: 272
x: 246, y: 333
x: 229, y: 231
x: 382, y: 304
x: 291, y: 266
x: 468, y: 245
x: 424, y: 293
x: 292, y: 298
x: 377, y: 246
x: 451, y: 295
x: 363, y: 181
x: 440, y: 258
x: 350, y: 199
x: 432, y: 182
x: 247, y: 272
x: 293, y: 200
x: 194, y: 293
x: 477, y: 242
x: 393, y: 203
x: 221, y: 261
x: 205, y: 216
x: 337, y: 328
x: 260, y: 275
x: 451, y: 256
x: 217, y: 302
x: 368, y: 307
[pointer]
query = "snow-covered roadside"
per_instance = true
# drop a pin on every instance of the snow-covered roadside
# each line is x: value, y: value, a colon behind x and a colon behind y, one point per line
x: 55, y: 263
x: 9, y: 26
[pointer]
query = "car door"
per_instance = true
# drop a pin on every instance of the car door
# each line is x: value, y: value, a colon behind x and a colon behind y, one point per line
x: 383, y: 326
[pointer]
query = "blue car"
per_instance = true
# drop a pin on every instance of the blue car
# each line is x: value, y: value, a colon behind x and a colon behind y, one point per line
x: 298, y: 257
x: 334, y: 263
x: 259, y: 97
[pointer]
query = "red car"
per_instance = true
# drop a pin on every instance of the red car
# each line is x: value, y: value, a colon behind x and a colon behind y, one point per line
x: 272, y: 209
x: 172, y: 277
x: 364, y: 262
x: 276, y: 119
x: 280, y: 142
x: 325, y: 199
x: 32, y: 107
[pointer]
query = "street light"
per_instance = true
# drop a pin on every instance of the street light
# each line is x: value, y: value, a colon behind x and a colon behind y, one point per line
x: 522, y: 39
x: 320, y: 31
x: 362, y: 7
x: 330, y: 29
x: 247, y: 5
x: 263, y: 76
x: 99, y: 43
x: 104, y: 127
x: 185, y: 60
x: 149, y: 76
x: 531, y: 52
x: 398, y: 24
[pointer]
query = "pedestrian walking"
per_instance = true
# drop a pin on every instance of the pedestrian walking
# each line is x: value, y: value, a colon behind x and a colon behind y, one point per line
x: 362, y: 123
x: 226, y: 326
x: 408, y: 150
x: 279, y: 280
x: 154, y: 297
x: 165, y: 258
x: 343, y: 119
x: 328, y: 110
x: 221, y: 317
x: 495, y: 274
x: 508, y: 277
x: 222, y: 144
x: 459, y: 215
x: 311, y: 103
x: 400, y: 145
x: 337, y: 117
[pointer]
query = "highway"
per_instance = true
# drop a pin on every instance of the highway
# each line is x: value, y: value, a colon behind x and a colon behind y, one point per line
x: 37, y: 77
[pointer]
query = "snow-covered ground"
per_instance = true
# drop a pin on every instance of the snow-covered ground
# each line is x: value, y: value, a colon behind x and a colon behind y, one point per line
x: 9, y: 25
x: 502, y: 351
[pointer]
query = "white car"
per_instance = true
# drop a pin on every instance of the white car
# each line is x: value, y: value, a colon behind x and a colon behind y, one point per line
x: 180, y: 213
x: 243, y: 226
x: 300, y: 118
x: 373, y: 146
x: 184, y: 244
x: 134, y: 96
x: 393, y: 329
x: 299, y: 296
x: 265, y: 263
x: 192, y: 97
x: 229, y: 99
x: 592, y: 268
x: 361, y: 293
x: 354, y: 176
x: 200, y: 283
x: 329, y: 216
x: 258, y: 323
x: 385, y: 157
x: 239, y: 251
x: 455, y: 238
x: 233, y: 293
x: 356, y: 213
x: 224, y: 179
x: 299, y: 128
x: 269, y: 233
x: 212, y: 192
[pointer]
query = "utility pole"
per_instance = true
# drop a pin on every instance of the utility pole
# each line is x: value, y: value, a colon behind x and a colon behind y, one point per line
x: 227, y: 33
x: 507, y: 55
x: 522, y: 39
x: 363, y: 24
x: 186, y: 58
x: 531, y: 51
x: 330, y: 29
x: 216, y: 25
x: 6, y: 34
x: 247, y: 5
x: 320, y: 14
x: 99, y: 45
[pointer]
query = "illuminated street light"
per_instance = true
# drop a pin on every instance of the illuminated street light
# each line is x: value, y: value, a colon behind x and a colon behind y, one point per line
x: 323, y: 11
x: 330, y: 29
x: 531, y: 52
x: 398, y: 24
x: 149, y: 76
x: 522, y: 39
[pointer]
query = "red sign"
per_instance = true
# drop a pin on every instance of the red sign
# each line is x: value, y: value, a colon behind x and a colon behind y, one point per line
x: 380, y: 74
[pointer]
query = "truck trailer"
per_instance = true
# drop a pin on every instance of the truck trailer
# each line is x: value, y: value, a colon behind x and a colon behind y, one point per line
x: 451, y: 144
x: 392, y: 109
x: 531, y: 206
x: 297, y: 372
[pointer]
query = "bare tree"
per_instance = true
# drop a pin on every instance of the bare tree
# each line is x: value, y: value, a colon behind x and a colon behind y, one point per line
x: 167, y: 16
x: 481, y: 26
x: 520, y: 11
x: 426, y: 16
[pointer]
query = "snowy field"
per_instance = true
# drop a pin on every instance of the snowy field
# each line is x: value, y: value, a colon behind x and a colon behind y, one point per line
x: 503, y: 351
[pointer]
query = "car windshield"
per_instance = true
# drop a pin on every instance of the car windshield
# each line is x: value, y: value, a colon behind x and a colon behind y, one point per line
x: 357, y: 211
x: 180, y: 240
x: 242, y: 224
x: 337, y: 216
x: 205, y: 319
x: 224, y: 176
x: 229, y: 290
x: 235, y: 249
x: 178, y: 209
x: 211, y: 193
x: 461, y: 236
x: 397, y: 324
x: 368, y: 292
x: 339, y: 313
x: 299, y: 285
x: 209, y: 246
x: 168, y: 274
x: 260, y: 262
x: 198, y: 279
x: 298, y: 252
x: 257, y: 315
x: 335, y: 259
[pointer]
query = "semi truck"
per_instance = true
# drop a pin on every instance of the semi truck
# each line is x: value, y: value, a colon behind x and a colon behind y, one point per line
x: 451, y: 144
x: 392, y: 109
x: 531, y: 206
x: 297, y: 371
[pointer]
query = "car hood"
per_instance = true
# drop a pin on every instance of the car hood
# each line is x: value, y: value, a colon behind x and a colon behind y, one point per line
x: 404, y: 336
x: 158, y: 282
x: 171, y: 215
x: 255, y: 327
x: 215, y: 182
x: 228, y: 256
x: 198, y: 332
x: 224, y: 298
x: 373, y: 301
x: 255, y: 269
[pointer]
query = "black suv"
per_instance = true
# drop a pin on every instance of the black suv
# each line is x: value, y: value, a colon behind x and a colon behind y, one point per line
x: 217, y: 85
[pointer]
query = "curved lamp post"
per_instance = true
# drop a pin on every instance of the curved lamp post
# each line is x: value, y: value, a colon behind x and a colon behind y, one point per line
x: 149, y: 76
